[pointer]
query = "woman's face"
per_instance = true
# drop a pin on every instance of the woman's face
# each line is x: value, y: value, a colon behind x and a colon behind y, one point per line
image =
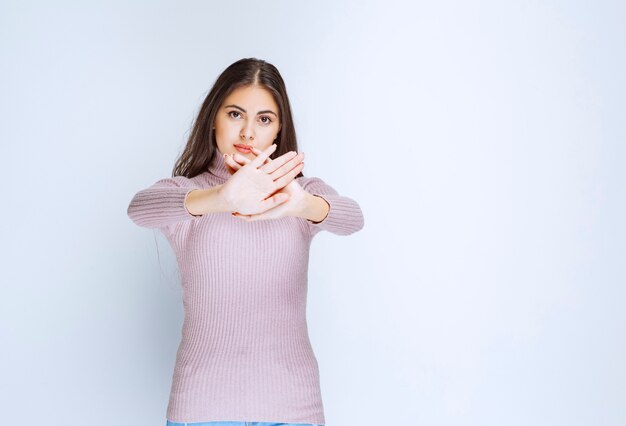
x: 248, y: 117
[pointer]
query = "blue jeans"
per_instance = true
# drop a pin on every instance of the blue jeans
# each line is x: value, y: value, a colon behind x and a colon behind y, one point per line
x: 238, y: 424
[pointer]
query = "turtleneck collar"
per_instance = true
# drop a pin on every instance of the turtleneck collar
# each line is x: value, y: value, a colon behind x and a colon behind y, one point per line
x: 218, y: 167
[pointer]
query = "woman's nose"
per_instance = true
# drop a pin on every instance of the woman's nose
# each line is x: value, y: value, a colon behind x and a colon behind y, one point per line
x: 247, y: 132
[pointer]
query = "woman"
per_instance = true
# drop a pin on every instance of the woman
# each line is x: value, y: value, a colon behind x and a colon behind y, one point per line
x: 240, y: 217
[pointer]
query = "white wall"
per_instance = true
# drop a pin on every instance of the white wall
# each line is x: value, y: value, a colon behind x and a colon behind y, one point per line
x: 484, y: 141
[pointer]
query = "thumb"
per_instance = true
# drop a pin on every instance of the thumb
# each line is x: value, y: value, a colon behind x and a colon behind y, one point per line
x: 275, y: 200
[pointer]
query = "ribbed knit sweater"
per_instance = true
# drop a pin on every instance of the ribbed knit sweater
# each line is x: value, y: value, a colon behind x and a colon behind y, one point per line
x: 244, y: 353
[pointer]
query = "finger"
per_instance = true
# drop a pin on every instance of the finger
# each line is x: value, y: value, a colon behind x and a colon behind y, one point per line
x: 252, y: 217
x: 266, y: 207
x: 287, y: 165
x: 278, y: 162
x: 285, y: 179
x: 273, y: 201
x: 269, y: 205
x: 245, y: 217
x: 240, y: 158
x: 257, y: 151
x: 263, y: 155
x: 232, y: 163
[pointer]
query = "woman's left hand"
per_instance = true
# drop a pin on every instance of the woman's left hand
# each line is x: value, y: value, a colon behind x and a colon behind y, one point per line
x: 292, y: 207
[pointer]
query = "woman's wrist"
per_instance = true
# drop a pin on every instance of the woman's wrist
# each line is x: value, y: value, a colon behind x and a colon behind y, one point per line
x: 202, y: 201
x: 315, y: 208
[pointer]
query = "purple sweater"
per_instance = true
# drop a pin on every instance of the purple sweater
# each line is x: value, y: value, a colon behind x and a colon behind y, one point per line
x: 245, y: 353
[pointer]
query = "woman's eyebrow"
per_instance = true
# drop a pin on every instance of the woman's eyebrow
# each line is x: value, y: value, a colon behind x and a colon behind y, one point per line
x: 267, y: 111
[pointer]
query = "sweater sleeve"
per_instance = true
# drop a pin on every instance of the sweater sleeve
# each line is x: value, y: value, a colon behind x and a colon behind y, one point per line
x: 344, y: 216
x: 163, y: 203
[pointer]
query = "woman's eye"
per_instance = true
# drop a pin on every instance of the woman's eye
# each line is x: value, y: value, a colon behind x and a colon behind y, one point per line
x: 268, y: 120
x: 233, y: 112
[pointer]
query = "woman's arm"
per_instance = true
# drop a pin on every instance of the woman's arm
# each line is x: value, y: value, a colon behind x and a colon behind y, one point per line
x: 172, y: 200
x: 343, y: 215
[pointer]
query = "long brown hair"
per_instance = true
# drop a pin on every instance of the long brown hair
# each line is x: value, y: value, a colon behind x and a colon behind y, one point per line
x: 201, y: 144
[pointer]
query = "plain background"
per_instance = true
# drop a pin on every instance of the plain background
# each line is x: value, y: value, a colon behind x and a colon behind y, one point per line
x: 483, y: 140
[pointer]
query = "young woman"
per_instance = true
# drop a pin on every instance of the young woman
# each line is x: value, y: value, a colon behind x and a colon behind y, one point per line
x: 240, y: 215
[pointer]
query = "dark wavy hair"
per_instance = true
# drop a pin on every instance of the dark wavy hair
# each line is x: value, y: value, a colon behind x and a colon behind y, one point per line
x: 201, y: 145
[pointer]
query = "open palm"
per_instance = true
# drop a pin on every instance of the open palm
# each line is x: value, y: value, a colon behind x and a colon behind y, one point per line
x: 292, y: 207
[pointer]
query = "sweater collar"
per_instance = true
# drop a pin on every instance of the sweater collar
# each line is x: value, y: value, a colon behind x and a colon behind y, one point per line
x: 217, y: 166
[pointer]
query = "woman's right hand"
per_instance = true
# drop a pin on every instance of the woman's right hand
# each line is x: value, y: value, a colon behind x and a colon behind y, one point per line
x: 250, y: 189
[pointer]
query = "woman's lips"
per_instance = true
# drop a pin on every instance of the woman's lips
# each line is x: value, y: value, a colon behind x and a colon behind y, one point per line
x: 243, y: 148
